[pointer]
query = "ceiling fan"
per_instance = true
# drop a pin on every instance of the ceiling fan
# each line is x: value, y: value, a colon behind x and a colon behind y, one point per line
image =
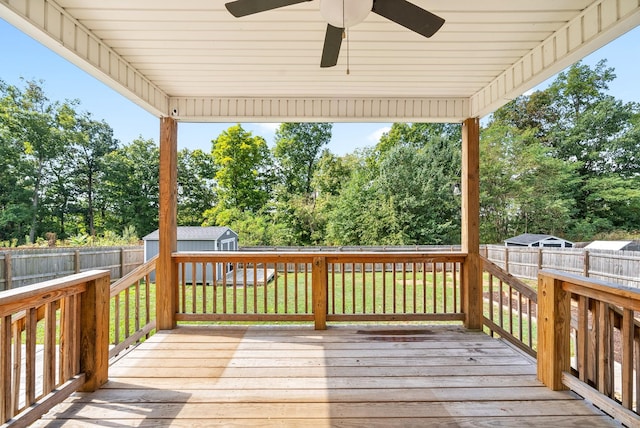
x: 341, y: 14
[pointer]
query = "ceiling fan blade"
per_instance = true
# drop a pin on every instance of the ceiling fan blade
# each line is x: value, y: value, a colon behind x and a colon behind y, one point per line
x: 240, y: 8
x: 332, y: 43
x: 408, y: 15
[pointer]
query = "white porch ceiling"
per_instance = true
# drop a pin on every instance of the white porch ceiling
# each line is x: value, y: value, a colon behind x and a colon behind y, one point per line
x: 192, y: 60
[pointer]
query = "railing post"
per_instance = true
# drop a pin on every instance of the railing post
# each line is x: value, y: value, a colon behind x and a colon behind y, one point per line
x: 320, y: 284
x: 94, y: 333
x: 554, y: 321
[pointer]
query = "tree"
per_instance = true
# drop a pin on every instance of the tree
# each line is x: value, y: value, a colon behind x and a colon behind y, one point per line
x: 14, y: 194
x: 242, y: 173
x: 31, y: 122
x: 594, y: 135
x: 522, y: 188
x: 91, y: 141
x: 131, y: 187
x: 196, y: 186
x: 297, y: 151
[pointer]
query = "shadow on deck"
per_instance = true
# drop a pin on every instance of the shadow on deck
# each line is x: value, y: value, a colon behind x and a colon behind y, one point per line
x: 373, y: 376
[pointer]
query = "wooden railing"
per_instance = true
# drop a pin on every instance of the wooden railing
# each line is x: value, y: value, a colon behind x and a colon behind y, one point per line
x: 69, y: 317
x: 132, y: 315
x: 319, y: 286
x: 510, y: 308
x: 603, y: 318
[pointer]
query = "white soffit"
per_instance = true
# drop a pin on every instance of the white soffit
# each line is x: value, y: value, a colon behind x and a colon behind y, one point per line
x: 192, y: 60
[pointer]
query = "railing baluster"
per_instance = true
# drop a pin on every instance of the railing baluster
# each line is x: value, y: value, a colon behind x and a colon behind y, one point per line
x: 127, y: 313
x: 582, y: 346
x: 137, y: 306
x: 344, y: 294
x: 255, y: 286
x: 353, y: 288
x: 374, y: 290
x: 627, y: 328
x: 444, y: 287
x: 404, y: 288
x: 395, y: 287
x: 6, y: 406
x: 244, y: 288
x: 306, y: 287
x: 424, y: 287
x: 363, y: 274
x: 454, y: 266
x: 31, y: 326
x: 415, y: 291
x: 510, y: 300
x: 49, y: 370
x: 183, y: 278
x: 384, y: 287
x: 16, y: 332
x: 193, y: 288
x: 434, y: 270
x: 223, y: 271
x: 501, y: 304
x: 116, y: 317
x: 214, y: 291
x: 204, y: 287
x: 265, y: 293
x: 286, y: 288
x: 234, y: 273
x: 491, y: 301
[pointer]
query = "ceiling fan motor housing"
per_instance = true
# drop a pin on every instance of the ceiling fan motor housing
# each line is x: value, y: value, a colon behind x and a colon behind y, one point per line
x: 345, y: 13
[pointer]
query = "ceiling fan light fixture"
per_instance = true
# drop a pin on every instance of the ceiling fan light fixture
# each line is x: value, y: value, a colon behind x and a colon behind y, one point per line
x: 345, y: 13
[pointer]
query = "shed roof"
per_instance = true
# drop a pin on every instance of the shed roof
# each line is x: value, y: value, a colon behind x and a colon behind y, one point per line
x: 193, y: 61
x: 531, y: 238
x: 194, y: 233
x: 608, y: 245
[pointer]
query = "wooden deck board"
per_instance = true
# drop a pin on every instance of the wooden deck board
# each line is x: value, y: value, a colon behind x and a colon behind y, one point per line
x: 345, y: 376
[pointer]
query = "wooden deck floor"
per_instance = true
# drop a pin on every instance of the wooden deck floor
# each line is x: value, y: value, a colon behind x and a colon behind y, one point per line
x: 374, y: 376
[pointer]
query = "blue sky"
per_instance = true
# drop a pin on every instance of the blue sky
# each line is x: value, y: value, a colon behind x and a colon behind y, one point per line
x: 23, y: 57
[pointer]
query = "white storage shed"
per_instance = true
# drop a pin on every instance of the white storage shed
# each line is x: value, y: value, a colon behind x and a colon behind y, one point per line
x: 196, y: 238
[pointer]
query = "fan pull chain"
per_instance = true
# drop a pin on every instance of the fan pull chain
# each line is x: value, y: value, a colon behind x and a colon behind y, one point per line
x: 345, y: 32
x: 345, y: 36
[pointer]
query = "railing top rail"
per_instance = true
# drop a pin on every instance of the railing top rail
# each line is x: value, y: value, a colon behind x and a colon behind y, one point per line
x: 608, y: 292
x: 514, y: 282
x: 21, y: 298
x: 134, y: 275
x: 355, y: 256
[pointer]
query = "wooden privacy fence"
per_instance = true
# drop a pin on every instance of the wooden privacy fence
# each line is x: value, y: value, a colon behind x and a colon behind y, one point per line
x: 23, y: 267
x: 589, y: 341
x: 320, y: 287
x: 620, y: 267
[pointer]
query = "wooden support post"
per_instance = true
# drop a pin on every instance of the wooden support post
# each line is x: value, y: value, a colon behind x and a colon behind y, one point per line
x: 472, y: 270
x: 320, y: 283
x: 8, y: 274
x: 166, y: 272
x: 554, y: 321
x: 94, y: 333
